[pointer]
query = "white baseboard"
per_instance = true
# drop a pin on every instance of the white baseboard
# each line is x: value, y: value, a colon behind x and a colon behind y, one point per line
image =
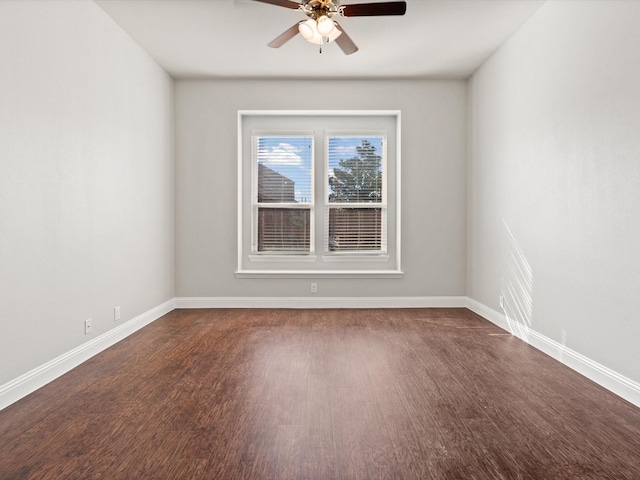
x: 321, y: 302
x: 25, y: 384
x: 38, y: 377
x: 607, y: 378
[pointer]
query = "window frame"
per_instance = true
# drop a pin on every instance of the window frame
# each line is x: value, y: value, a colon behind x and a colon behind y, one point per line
x: 344, y: 265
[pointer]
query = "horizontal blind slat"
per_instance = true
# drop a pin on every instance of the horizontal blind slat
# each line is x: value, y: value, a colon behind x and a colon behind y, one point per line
x: 284, y: 230
x: 356, y: 229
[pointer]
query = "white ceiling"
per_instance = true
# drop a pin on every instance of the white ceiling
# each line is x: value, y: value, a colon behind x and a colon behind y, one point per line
x: 228, y: 38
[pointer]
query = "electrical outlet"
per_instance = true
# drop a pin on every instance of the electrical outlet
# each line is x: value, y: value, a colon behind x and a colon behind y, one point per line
x: 116, y: 314
x: 501, y: 301
x: 87, y: 326
x: 314, y: 288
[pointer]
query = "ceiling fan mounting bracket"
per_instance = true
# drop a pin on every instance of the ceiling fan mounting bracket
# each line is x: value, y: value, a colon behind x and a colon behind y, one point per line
x: 315, y: 9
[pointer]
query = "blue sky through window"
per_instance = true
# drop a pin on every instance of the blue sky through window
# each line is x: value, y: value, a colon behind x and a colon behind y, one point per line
x: 292, y: 157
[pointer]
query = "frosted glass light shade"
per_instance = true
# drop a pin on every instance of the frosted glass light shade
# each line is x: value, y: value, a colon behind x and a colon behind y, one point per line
x: 317, y: 39
x: 325, y: 26
x: 307, y: 29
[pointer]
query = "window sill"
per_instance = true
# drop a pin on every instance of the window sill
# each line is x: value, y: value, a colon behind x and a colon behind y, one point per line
x: 319, y: 274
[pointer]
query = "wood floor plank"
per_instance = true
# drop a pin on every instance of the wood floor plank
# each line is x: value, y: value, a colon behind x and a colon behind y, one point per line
x: 320, y: 394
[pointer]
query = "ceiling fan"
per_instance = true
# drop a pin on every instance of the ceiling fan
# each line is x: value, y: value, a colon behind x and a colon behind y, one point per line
x: 320, y: 28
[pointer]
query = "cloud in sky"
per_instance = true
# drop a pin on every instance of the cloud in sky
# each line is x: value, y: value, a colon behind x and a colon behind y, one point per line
x: 280, y: 154
x: 345, y: 147
x: 344, y: 151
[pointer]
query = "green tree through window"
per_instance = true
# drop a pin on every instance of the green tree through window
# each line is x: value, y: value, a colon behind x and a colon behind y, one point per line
x: 356, y: 205
x: 357, y: 179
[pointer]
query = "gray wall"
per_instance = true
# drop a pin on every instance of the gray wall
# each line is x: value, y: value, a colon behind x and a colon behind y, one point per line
x: 86, y: 180
x: 554, y: 179
x: 433, y: 183
x: 546, y: 211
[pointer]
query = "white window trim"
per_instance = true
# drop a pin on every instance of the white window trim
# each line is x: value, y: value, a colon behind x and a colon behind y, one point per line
x: 351, y: 258
x: 319, y: 274
x: 390, y: 273
x: 290, y: 258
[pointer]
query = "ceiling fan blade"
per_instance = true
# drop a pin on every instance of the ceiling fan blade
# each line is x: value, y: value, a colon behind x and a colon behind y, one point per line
x: 345, y: 42
x: 281, y: 3
x: 284, y: 37
x: 373, y: 9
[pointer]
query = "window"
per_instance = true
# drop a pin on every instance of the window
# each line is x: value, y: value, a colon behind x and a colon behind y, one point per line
x: 355, y: 211
x: 282, y: 194
x: 318, y: 194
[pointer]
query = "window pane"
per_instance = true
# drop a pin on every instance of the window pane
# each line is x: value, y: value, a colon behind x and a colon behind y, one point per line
x: 353, y: 229
x: 284, y: 230
x: 355, y: 169
x: 273, y: 187
x: 284, y: 169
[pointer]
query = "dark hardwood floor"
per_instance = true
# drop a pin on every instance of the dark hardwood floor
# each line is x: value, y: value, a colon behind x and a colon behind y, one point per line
x: 320, y: 394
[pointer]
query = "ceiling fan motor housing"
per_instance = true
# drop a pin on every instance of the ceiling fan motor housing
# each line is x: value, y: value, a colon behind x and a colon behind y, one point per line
x: 316, y: 9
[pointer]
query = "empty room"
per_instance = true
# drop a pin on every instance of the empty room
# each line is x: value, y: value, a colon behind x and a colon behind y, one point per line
x: 319, y: 239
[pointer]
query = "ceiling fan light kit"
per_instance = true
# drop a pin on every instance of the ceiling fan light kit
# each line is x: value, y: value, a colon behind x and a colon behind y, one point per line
x: 320, y: 28
x: 318, y: 33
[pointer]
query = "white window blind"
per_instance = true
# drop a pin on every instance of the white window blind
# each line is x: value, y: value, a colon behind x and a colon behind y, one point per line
x: 356, y: 208
x: 283, y: 194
